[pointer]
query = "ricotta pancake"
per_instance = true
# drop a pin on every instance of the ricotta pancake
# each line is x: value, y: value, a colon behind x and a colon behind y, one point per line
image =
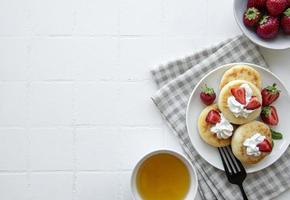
x: 242, y: 72
x: 217, y: 135
x: 232, y: 109
x: 248, y: 134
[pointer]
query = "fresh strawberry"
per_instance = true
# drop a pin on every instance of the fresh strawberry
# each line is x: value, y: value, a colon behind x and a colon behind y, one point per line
x: 276, y: 7
x: 269, y: 115
x: 207, y: 95
x: 265, y: 146
x: 239, y: 94
x: 268, y: 27
x: 270, y: 94
x: 256, y: 3
x: 251, y: 17
x: 213, y: 117
x: 253, y: 104
x: 285, y: 21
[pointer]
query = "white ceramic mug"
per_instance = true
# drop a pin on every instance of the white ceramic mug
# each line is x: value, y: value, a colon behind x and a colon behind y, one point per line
x: 193, y: 177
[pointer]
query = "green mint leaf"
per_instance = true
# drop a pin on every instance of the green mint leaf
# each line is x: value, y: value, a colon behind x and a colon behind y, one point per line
x: 276, y: 135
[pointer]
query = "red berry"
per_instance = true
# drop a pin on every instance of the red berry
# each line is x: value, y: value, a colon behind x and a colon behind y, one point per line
x: 268, y: 27
x: 207, y: 95
x: 253, y: 104
x: 265, y: 146
x: 270, y: 94
x: 239, y: 94
x: 269, y: 115
x: 276, y: 7
x: 256, y: 3
x: 213, y: 117
x: 285, y: 21
x: 251, y: 17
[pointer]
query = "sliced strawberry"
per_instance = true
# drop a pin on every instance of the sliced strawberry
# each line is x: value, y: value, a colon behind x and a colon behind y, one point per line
x: 253, y: 104
x: 265, y: 146
x: 239, y: 94
x: 213, y: 117
x: 269, y: 115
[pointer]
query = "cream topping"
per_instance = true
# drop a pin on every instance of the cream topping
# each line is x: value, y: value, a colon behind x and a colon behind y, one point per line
x: 223, y: 129
x: 251, y: 144
x: 236, y: 107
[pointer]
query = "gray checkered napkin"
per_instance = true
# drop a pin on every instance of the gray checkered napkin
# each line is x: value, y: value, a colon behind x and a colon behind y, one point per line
x: 175, y: 81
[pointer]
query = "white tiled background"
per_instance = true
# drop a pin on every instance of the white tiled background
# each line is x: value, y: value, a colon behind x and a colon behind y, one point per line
x: 75, y: 108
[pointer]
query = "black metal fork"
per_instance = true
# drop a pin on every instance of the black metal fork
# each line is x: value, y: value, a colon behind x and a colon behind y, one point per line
x: 234, y: 169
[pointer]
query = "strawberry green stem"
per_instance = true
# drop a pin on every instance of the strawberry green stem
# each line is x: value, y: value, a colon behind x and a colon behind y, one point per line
x: 266, y: 111
x: 207, y: 90
x: 264, y: 19
x: 252, y: 13
x: 287, y: 12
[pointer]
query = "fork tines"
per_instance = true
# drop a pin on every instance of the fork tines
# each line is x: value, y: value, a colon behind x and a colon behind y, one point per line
x: 231, y: 164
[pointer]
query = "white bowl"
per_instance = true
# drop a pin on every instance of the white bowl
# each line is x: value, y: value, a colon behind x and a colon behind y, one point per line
x: 193, y: 176
x: 282, y: 41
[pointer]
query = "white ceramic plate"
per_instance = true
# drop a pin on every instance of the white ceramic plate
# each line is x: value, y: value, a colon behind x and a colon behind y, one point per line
x: 195, y: 106
x: 282, y: 41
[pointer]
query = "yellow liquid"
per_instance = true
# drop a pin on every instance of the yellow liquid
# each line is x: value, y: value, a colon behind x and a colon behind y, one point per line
x: 163, y: 177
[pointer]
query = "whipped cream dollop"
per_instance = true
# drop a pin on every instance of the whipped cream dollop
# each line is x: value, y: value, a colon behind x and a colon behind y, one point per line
x: 236, y: 107
x: 223, y: 129
x: 251, y: 144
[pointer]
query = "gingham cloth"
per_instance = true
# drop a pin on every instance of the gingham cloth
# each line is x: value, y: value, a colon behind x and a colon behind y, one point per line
x: 176, y: 81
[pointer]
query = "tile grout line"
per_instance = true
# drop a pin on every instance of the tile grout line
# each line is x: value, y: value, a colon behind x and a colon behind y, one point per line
x: 97, y: 36
x: 118, y: 64
x: 65, y: 171
x: 28, y: 106
x: 74, y: 185
x: 74, y: 120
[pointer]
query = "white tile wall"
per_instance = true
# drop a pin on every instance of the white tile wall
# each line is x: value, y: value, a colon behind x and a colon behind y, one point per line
x: 93, y: 185
x: 95, y: 58
x: 95, y: 17
x: 14, y: 18
x: 51, y: 103
x: 51, y: 149
x: 13, y: 58
x: 13, y: 103
x: 141, y: 17
x: 51, y: 185
x: 137, y: 105
x: 75, y: 88
x: 186, y: 18
x: 135, y: 142
x: 13, y: 186
x: 99, y: 154
x: 51, y: 17
x: 51, y: 59
x: 96, y: 102
x: 138, y: 55
x: 220, y: 25
x: 13, y: 149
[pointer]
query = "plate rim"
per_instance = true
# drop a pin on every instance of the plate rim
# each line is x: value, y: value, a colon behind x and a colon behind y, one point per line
x: 213, y: 71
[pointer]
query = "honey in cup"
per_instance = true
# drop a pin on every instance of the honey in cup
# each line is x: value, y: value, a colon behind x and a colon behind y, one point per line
x: 163, y: 177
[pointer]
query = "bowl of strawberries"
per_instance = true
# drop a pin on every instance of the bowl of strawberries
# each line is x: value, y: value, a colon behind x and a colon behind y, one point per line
x: 265, y: 22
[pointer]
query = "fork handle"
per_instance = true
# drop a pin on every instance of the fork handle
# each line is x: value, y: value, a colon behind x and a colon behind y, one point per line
x: 243, y: 192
